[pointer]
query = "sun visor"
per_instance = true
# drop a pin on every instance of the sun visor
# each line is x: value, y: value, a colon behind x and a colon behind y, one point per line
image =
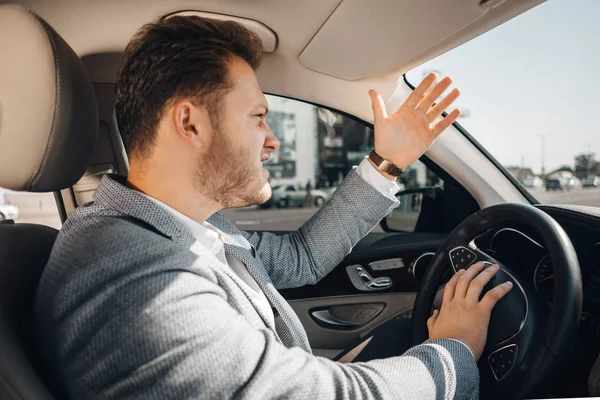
x: 364, y: 37
x: 266, y: 34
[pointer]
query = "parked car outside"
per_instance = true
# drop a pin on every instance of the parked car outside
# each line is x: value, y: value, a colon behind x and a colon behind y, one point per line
x: 295, y: 195
x: 574, y: 183
x: 558, y: 183
x: 591, y: 181
x: 533, y: 182
x: 8, y: 212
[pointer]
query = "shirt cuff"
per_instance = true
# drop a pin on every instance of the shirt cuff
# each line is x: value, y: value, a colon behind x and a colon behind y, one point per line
x: 386, y: 187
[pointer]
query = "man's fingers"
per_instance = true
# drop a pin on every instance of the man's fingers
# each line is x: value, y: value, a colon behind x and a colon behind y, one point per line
x: 446, y: 122
x: 479, y: 282
x: 432, y: 319
x: 493, y: 296
x: 451, y: 286
x: 420, y: 91
x: 379, y: 111
x: 430, y: 98
x: 465, y: 280
x: 441, y: 106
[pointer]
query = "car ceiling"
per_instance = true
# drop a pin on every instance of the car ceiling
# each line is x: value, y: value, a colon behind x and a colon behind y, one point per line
x: 328, y: 51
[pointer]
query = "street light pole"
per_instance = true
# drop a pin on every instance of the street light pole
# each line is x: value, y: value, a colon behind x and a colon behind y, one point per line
x: 543, y: 136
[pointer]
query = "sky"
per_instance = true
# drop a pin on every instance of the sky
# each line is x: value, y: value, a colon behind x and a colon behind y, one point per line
x: 536, y: 74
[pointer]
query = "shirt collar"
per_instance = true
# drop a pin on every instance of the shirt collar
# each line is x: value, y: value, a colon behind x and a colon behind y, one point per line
x: 209, y: 236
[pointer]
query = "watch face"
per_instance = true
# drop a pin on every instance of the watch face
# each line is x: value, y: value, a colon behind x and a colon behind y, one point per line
x: 385, y: 165
x: 390, y: 168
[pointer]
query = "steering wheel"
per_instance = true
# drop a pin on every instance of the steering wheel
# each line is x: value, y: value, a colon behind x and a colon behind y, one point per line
x: 524, y: 347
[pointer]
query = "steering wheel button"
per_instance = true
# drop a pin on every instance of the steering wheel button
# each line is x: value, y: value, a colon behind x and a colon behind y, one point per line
x: 501, y: 361
x: 461, y: 258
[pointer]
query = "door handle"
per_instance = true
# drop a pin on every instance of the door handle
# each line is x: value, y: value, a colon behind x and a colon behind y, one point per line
x: 347, y: 316
x: 326, y: 319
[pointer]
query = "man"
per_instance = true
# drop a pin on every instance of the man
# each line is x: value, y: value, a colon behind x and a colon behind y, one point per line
x: 308, y: 199
x: 151, y: 294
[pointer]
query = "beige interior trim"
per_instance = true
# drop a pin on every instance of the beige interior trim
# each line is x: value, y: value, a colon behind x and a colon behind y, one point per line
x: 322, y: 338
x: 36, y: 88
x: 496, y: 16
x: 350, y: 46
x: 266, y: 34
x: 352, y: 354
x: 68, y: 199
x: 99, y: 31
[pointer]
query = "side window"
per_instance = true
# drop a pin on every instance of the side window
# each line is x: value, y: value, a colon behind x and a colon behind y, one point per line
x: 318, y: 148
x: 36, y: 208
x: 421, y: 200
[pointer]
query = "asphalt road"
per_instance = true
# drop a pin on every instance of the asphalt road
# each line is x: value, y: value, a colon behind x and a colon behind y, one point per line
x: 583, y: 197
x: 253, y: 218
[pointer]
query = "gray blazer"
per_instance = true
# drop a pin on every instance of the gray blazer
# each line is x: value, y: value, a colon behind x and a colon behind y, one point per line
x: 130, y: 306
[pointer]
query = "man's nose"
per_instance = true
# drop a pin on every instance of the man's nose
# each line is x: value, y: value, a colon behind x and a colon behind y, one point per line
x: 271, y: 141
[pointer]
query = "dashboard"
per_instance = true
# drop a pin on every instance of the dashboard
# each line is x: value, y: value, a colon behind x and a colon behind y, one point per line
x: 530, y: 259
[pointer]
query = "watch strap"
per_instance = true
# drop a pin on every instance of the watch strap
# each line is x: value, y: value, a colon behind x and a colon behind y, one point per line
x: 385, y: 165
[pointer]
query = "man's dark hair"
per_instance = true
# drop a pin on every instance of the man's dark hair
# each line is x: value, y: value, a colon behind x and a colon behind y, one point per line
x: 175, y: 58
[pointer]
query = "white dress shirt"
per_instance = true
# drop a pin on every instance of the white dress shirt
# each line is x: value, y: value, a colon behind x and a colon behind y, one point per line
x: 211, y: 238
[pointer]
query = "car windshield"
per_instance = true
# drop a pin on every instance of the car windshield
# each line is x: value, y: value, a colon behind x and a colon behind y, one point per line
x: 529, y: 94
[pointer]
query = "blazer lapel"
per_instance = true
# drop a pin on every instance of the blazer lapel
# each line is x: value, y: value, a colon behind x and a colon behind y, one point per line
x: 198, y: 250
x: 288, y: 324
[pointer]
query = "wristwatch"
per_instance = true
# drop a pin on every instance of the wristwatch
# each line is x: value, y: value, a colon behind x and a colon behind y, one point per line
x: 384, y: 165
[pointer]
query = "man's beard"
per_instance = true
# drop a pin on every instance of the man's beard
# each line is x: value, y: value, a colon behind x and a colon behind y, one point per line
x: 228, y: 174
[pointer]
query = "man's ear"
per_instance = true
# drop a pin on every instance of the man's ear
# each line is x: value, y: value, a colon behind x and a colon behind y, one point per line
x: 192, y: 124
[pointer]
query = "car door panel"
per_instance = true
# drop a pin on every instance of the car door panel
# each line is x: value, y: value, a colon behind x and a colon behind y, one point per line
x: 374, y: 247
x: 332, y: 340
x: 298, y: 197
x: 338, y: 315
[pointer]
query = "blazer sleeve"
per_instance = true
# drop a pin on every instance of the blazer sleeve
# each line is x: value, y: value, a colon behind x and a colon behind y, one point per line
x: 307, y: 255
x: 179, y: 338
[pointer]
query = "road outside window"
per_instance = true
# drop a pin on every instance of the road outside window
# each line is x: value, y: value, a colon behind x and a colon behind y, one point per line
x: 529, y: 95
x: 318, y: 149
x: 36, y: 208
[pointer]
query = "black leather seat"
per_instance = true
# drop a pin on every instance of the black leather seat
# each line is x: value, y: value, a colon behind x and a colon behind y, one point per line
x: 21, y: 265
x: 48, y: 130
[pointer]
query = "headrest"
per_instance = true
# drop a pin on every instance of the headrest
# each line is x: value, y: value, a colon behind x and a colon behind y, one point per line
x: 48, y: 110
